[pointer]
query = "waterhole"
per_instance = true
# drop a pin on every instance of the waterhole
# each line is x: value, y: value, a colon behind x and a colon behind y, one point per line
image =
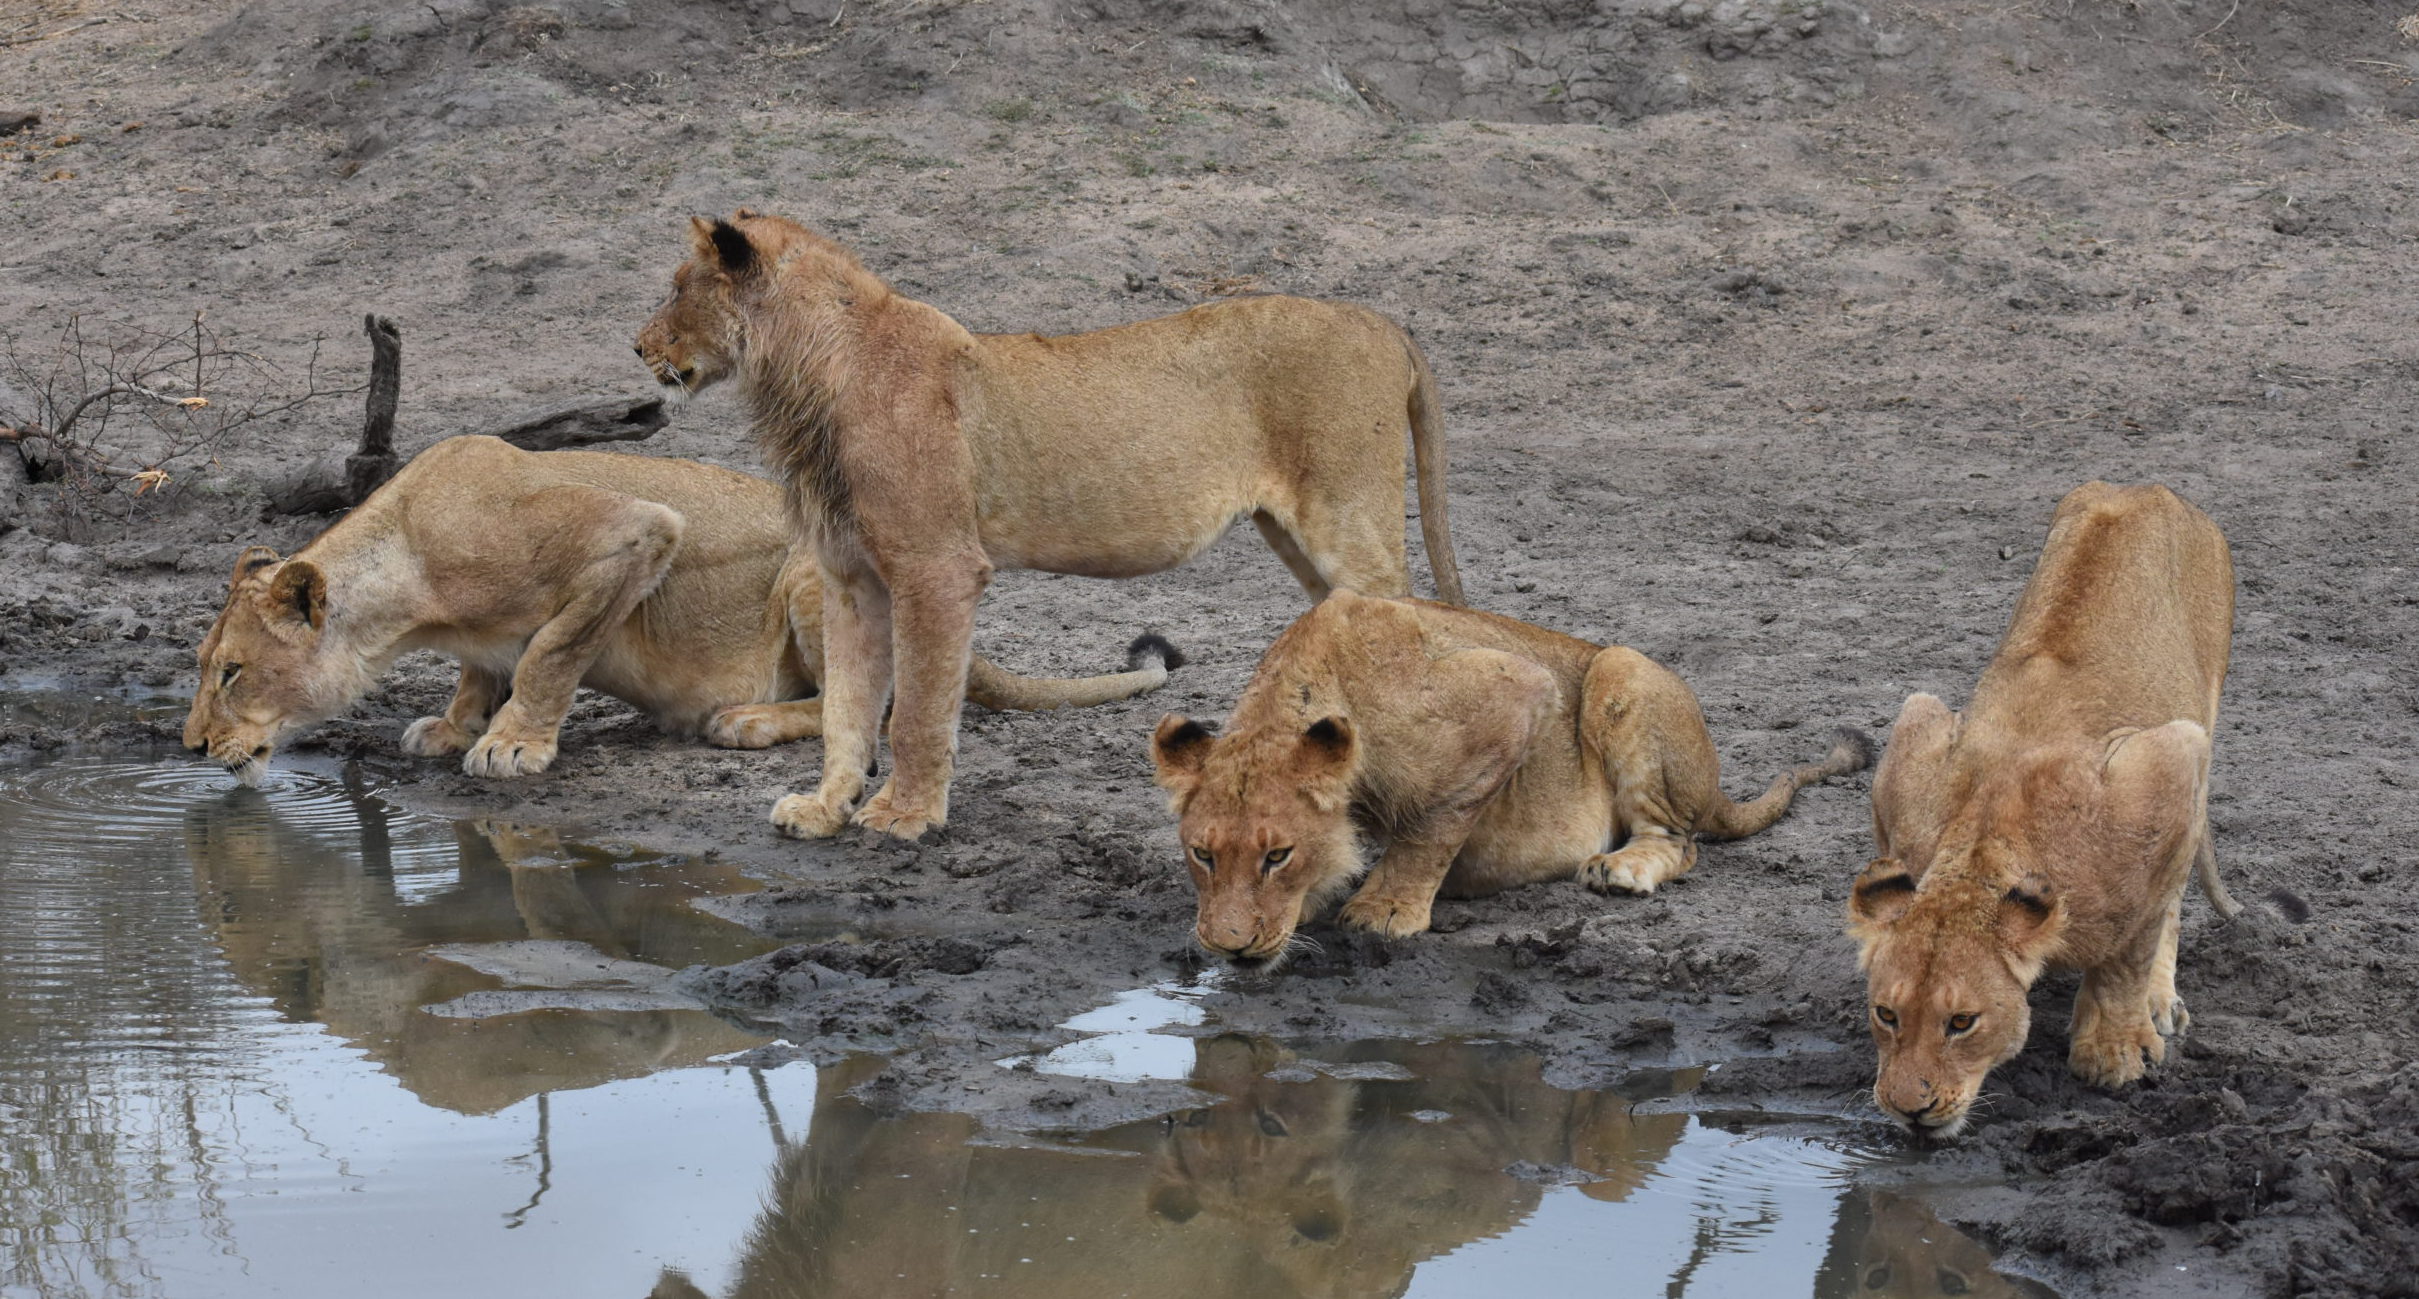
x: 296, y: 1042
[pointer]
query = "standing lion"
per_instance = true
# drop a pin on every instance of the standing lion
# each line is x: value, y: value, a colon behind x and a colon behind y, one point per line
x: 920, y: 457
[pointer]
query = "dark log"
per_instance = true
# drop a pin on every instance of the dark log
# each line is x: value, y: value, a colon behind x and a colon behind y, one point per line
x: 611, y: 419
x: 375, y: 462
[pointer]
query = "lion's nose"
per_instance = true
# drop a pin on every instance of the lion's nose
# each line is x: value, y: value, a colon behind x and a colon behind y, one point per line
x: 199, y: 749
x: 640, y: 352
x: 1225, y: 945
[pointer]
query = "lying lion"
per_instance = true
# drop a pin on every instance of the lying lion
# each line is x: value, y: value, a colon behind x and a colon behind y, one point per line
x: 666, y: 583
x: 1486, y: 752
x: 921, y: 457
x: 2052, y: 824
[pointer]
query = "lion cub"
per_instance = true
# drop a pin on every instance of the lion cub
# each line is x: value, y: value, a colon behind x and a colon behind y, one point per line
x: 1486, y: 752
x: 2054, y: 822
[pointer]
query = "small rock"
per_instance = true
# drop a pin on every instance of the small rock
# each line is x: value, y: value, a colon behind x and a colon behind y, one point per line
x: 13, y: 120
x: 66, y: 554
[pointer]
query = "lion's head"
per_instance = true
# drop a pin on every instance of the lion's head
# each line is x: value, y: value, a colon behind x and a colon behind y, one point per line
x: 1947, y: 971
x: 698, y: 336
x: 1266, y: 822
x: 1268, y: 1162
x: 265, y: 668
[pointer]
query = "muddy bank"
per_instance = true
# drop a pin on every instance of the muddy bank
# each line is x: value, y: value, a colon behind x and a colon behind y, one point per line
x: 1765, y: 350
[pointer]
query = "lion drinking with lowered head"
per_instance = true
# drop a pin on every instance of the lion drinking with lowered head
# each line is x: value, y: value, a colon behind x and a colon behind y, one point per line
x: 1486, y: 752
x: 2055, y: 822
x: 669, y: 584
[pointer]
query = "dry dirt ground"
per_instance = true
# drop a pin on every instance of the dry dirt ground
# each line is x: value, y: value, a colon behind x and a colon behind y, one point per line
x: 1769, y: 331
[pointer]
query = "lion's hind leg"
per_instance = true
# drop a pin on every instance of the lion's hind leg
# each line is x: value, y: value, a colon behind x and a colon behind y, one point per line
x: 2167, y: 1013
x: 761, y: 726
x: 464, y: 720
x: 1644, y: 729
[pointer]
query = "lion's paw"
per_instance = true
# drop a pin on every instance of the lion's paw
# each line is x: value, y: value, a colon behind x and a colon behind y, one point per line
x: 808, y: 816
x: 1608, y: 873
x: 884, y: 815
x: 435, y: 737
x: 2112, y: 1059
x: 2170, y: 1019
x: 1392, y: 917
x: 748, y: 726
x: 503, y: 757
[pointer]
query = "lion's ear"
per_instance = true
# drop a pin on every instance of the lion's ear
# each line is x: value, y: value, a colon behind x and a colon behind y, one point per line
x: 722, y: 244
x: 1322, y: 760
x: 2032, y: 918
x: 1882, y: 893
x: 254, y: 559
x: 299, y: 593
x: 1177, y: 748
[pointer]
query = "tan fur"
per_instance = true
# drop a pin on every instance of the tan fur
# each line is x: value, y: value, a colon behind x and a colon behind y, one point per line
x: 667, y: 583
x: 920, y: 457
x: 1486, y: 752
x: 2054, y: 823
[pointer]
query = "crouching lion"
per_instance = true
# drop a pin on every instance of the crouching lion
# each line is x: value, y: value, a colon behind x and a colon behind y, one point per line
x: 666, y: 583
x: 921, y: 456
x: 2055, y: 822
x: 1486, y: 752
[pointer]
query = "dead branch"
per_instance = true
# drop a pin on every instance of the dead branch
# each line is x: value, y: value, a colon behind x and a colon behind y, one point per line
x: 612, y: 419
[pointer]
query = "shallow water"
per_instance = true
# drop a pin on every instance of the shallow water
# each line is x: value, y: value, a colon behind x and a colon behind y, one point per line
x: 294, y: 1041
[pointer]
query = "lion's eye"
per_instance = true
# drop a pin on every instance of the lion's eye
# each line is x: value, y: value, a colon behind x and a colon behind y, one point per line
x: 227, y: 674
x: 1887, y: 1016
x: 1959, y: 1024
x: 1202, y: 855
x: 1275, y: 859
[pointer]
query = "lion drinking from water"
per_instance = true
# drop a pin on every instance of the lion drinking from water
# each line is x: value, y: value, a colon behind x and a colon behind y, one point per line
x: 666, y: 583
x: 1487, y: 752
x: 2055, y: 822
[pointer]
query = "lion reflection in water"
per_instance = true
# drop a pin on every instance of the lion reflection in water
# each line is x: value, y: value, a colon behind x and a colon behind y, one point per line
x: 311, y: 915
x: 1326, y: 1187
x: 1888, y: 1246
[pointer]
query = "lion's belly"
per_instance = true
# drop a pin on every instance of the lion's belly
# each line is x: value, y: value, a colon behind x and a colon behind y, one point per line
x: 1113, y: 538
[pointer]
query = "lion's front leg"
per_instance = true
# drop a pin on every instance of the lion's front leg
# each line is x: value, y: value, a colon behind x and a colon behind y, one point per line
x: 625, y: 546
x: 1399, y: 895
x: 464, y: 720
x: 2112, y: 1039
x: 1480, y: 709
x: 856, y: 683
x: 933, y: 643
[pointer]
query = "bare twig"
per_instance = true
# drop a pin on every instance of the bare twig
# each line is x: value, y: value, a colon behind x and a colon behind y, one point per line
x: 128, y: 405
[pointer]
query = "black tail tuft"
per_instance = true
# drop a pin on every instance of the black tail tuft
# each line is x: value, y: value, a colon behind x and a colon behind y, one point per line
x: 1855, y: 746
x: 1151, y: 645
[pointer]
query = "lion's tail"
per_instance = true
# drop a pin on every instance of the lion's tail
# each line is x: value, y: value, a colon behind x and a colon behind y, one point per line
x: 1148, y: 661
x: 1851, y: 750
x: 2205, y: 865
x: 1428, y: 458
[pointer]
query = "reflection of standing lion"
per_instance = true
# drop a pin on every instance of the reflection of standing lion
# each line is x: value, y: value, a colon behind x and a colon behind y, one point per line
x: 665, y: 583
x: 920, y: 457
